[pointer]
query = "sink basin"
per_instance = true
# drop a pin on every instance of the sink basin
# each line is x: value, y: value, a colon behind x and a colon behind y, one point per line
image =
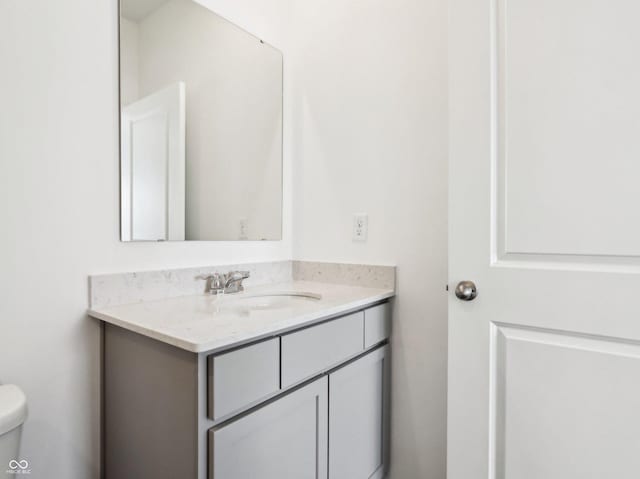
x: 268, y: 301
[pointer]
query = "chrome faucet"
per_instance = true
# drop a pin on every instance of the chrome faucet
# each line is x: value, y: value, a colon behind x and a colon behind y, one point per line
x: 233, y: 281
x: 228, y: 283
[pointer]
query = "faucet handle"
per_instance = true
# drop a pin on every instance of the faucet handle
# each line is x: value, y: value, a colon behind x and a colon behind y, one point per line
x: 214, y: 281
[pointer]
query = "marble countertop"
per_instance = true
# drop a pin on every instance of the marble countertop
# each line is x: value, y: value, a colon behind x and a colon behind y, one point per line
x: 205, y: 322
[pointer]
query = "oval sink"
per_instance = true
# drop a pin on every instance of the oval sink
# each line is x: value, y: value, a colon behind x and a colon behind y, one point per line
x: 276, y: 300
x: 267, y: 301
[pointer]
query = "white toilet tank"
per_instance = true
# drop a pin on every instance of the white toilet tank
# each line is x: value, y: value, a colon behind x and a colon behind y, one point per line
x: 13, y: 412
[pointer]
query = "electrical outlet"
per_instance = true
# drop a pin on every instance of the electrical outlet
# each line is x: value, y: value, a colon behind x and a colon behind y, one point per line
x: 360, y: 227
x: 244, y: 229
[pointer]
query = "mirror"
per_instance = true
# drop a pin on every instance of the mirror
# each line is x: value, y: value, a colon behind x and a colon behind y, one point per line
x: 200, y: 126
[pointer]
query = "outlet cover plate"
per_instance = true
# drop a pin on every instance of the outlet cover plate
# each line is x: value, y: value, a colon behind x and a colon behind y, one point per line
x: 360, y: 227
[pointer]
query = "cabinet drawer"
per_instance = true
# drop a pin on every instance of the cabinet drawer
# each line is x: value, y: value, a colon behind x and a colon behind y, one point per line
x: 312, y: 350
x: 240, y: 378
x: 377, y: 324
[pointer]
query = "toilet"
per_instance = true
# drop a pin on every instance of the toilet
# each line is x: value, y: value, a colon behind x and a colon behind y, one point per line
x: 13, y: 412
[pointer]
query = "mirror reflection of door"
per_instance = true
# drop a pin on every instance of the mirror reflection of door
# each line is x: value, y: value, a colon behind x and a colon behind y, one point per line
x: 231, y: 126
x: 153, y: 166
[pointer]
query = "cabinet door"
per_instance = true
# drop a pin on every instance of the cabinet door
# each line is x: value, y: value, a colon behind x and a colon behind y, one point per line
x: 358, y: 412
x: 284, y: 439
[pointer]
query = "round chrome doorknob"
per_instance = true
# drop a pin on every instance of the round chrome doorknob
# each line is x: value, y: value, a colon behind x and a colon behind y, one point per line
x: 466, y: 291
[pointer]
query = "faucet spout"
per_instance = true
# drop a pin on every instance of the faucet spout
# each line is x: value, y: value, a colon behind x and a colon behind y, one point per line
x: 233, y: 281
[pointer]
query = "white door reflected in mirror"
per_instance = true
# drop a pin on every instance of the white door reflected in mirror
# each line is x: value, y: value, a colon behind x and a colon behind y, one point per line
x: 153, y: 167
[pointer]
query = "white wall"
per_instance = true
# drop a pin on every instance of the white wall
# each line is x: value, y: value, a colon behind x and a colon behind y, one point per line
x: 59, y: 210
x: 370, y: 118
x: 129, y: 60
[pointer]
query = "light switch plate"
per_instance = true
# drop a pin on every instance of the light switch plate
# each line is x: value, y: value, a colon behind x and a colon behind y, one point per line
x: 360, y: 227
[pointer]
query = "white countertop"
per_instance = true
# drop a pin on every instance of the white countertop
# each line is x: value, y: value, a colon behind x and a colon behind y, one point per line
x: 207, y: 322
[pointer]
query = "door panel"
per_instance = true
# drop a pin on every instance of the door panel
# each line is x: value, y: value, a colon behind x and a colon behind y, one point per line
x: 568, y: 115
x: 544, y: 111
x: 564, y: 405
x: 149, y: 177
x: 286, y: 438
x: 152, y: 167
x: 357, y: 418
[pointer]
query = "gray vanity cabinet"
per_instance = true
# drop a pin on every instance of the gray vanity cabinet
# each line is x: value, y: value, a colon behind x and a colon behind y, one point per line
x: 287, y: 438
x: 358, y: 418
x: 309, y: 402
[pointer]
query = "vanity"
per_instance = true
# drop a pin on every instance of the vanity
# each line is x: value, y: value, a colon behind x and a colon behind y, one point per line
x: 284, y: 380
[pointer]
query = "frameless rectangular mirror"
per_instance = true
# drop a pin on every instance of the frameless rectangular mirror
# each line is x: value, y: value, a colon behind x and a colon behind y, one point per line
x: 200, y: 126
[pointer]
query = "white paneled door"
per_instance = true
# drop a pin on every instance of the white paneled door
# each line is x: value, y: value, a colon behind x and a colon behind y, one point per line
x: 152, y: 166
x: 544, y: 364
